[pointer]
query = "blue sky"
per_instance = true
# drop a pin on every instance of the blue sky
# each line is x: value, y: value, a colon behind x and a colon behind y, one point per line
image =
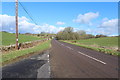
x: 93, y: 17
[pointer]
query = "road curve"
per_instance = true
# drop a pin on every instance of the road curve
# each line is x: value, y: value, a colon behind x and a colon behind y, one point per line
x: 70, y: 61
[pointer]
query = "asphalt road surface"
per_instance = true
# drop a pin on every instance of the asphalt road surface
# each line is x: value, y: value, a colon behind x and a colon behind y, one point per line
x: 64, y: 61
x: 70, y: 61
x: 36, y: 66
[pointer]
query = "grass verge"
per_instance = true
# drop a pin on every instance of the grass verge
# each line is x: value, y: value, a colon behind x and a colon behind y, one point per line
x: 10, y: 56
x: 107, y: 51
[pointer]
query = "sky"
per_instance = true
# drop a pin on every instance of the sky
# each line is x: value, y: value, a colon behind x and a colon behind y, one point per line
x: 93, y: 17
x: 62, y: 0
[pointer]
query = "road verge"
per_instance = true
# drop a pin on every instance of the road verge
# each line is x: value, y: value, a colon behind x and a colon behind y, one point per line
x: 23, y: 53
x: 107, y: 51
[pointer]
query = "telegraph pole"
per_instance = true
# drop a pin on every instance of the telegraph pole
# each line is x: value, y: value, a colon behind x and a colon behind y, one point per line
x: 16, y: 24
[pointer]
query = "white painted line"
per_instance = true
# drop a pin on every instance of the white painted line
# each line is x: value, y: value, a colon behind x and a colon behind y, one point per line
x: 48, y: 56
x: 65, y: 46
x: 92, y: 58
x: 62, y: 44
x: 69, y: 47
x: 32, y: 58
x: 39, y: 57
x: 49, y: 70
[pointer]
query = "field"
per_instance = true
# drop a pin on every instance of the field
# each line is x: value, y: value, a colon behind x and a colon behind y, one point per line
x: 107, y: 45
x: 105, y: 41
x: 9, y: 38
x: 15, y: 54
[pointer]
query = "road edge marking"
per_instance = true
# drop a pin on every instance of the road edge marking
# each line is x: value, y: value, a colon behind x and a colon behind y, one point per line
x: 92, y: 58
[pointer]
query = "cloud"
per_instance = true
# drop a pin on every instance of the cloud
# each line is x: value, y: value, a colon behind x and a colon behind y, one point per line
x: 105, y: 19
x: 60, y: 23
x: 47, y: 28
x: 113, y: 23
x: 86, y: 18
x: 107, y: 27
x: 8, y: 24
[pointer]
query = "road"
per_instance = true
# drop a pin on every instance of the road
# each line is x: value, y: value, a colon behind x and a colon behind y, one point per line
x: 70, y: 61
x: 64, y: 61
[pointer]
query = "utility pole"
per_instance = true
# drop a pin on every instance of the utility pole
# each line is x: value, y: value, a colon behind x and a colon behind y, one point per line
x: 16, y: 24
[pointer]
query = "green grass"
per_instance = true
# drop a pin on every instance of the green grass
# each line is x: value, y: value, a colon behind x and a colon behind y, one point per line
x: 9, y: 38
x: 105, y: 41
x: 14, y: 54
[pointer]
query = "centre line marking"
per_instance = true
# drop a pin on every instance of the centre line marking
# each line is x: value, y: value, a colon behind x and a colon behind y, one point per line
x: 69, y: 47
x: 92, y: 58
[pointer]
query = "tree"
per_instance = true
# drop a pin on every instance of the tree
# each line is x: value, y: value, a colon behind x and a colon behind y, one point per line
x: 89, y: 36
x: 68, y: 29
x: 81, y: 32
x: 59, y: 35
x: 68, y: 34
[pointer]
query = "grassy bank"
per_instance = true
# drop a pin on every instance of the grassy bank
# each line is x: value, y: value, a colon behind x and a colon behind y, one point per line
x: 9, y: 38
x: 105, y: 41
x: 15, y: 54
x: 105, y: 45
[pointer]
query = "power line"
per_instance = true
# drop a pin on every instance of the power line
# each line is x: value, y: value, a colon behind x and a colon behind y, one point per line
x: 27, y: 13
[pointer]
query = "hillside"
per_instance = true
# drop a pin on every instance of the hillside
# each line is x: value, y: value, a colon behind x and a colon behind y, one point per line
x: 107, y: 45
x: 104, y: 41
x: 9, y: 38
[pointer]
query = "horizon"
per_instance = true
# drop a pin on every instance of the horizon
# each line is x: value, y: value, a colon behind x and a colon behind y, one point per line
x: 56, y: 33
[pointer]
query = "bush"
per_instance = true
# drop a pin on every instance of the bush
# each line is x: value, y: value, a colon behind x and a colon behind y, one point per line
x: 98, y: 36
x: 69, y: 34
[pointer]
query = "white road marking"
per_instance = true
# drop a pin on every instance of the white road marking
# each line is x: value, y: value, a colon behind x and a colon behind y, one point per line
x: 49, y: 68
x: 65, y: 46
x: 44, y: 71
x: 62, y: 44
x: 69, y: 47
x: 92, y: 58
x: 48, y: 61
x: 84, y: 54
x: 32, y: 58
x: 48, y: 55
